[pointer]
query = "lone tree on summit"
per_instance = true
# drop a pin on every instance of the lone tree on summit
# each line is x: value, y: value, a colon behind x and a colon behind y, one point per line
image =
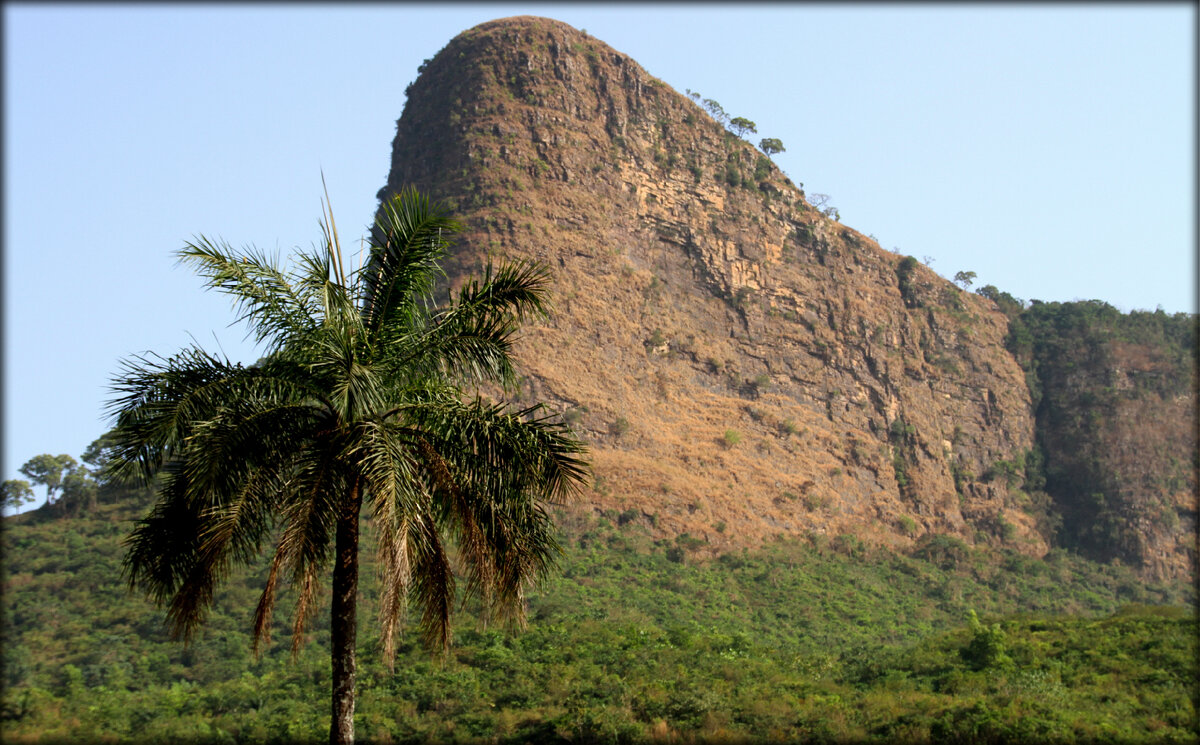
x: 358, y: 402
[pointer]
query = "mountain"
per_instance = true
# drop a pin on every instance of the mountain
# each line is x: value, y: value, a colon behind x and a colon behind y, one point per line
x: 744, y: 365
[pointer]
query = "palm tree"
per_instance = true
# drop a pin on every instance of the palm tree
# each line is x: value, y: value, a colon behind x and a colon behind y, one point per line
x: 358, y: 400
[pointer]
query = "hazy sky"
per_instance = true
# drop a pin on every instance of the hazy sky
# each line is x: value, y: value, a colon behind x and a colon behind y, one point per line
x: 1049, y: 149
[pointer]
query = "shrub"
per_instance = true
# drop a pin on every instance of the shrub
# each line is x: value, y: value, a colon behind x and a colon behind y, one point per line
x: 900, y: 467
x: 762, y: 168
x: 732, y: 177
x: 716, y: 110
x: 904, y: 272
x: 1006, y: 303
x: 944, y: 551
x: 847, y: 544
x: 574, y: 415
x: 627, y: 516
x: 813, y: 503
x: 1010, y: 471
x: 732, y: 437
x: 987, y: 646
x: 900, y: 430
x: 962, y: 474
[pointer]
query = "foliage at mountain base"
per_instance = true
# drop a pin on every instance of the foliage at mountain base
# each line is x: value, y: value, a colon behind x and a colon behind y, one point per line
x: 635, y: 641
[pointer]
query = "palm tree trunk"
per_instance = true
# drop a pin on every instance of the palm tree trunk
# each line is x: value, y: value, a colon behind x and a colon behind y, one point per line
x: 344, y: 626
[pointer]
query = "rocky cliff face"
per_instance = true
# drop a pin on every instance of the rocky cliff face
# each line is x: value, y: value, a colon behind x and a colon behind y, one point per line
x: 742, y: 365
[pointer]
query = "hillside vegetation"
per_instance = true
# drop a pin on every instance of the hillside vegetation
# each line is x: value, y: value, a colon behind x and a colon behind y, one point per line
x: 1116, y: 430
x: 636, y: 640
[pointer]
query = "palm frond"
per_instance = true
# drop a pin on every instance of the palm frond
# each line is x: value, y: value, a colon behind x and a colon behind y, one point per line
x: 526, y: 552
x: 395, y: 579
x: 161, y: 401
x: 266, y: 604
x: 395, y: 490
x: 223, y: 483
x: 309, y: 515
x: 519, y: 290
x: 500, y: 466
x: 460, y: 345
x: 161, y: 550
x: 313, y: 276
x: 472, y: 337
x: 471, y: 537
x: 329, y: 229
x: 245, y: 448
x: 409, y: 238
x: 524, y: 454
x: 263, y: 296
x: 432, y: 580
x: 308, y: 583
x: 157, y: 401
x: 354, y: 388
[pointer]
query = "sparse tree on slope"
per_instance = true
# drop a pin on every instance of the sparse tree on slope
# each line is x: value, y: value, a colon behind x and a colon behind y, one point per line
x: 716, y: 110
x: 771, y: 145
x: 49, y: 471
x: 15, y: 494
x: 358, y: 402
x: 966, y: 279
x: 742, y: 126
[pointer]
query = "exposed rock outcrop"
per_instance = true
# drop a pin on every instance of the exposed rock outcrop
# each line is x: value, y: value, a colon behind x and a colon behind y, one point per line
x: 743, y: 365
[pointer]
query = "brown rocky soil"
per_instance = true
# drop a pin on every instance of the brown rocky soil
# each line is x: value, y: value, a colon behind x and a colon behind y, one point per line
x: 741, y: 365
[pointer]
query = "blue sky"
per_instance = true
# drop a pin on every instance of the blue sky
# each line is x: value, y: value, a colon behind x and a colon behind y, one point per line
x: 1050, y: 149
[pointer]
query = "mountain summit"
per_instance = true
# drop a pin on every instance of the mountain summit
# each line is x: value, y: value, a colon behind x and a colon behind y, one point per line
x: 743, y: 365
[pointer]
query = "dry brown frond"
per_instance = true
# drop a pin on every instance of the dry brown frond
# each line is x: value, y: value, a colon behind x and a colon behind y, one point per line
x: 433, y: 582
x: 395, y: 575
x: 305, y: 605
x: 473, y: 542
x: 266, y: 606
x: 191, y: 601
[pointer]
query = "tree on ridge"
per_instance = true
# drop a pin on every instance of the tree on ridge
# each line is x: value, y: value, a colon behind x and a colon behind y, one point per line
x: 358, y: 401
x: 15, y: 494
x: 49, y: 471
